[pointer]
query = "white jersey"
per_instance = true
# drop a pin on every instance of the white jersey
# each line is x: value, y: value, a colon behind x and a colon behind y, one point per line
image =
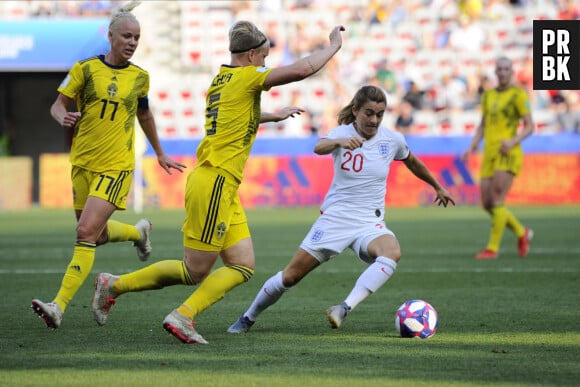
x: 359, y: 184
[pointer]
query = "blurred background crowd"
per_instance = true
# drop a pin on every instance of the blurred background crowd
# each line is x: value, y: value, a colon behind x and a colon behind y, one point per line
x: 433, y: 57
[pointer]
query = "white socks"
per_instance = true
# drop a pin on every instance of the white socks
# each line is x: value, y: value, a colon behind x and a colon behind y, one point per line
x: 375, y: 276
x: 271, y: 292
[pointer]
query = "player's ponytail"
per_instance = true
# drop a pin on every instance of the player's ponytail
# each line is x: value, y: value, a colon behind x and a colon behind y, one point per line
x: 122, y: 13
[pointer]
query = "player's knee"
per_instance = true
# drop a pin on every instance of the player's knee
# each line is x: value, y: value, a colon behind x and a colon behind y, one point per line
x: 86, y: 234
x: 394, y: 254
x: 197, y: 272
x: 392, y: 251
x: 291, y: 278
x: 103, y: 238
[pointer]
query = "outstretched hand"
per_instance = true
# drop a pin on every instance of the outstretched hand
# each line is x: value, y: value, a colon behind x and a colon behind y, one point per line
x: 443, y: 197
x: 335, y: 36
x: 288, y: 111
x: 167, y: 163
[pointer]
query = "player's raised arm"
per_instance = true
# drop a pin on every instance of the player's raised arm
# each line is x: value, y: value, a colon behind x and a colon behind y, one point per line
x: 307, y: 66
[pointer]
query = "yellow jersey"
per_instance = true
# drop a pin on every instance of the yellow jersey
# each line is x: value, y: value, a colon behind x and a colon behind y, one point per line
x: 502, y: 112
x: 232, y: 118
x: 107, y: 97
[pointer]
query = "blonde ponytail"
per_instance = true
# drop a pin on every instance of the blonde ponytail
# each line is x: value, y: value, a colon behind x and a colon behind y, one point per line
x: 123, y: 12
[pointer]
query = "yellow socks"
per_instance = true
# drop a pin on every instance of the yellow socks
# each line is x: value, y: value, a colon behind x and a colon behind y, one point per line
x: 214, y: 288
x: 514, y: 224
x: 121, y: 232
x: 155, y: 276
x: 77, y: 271
x: 174, y: 272
x: 499, y: 215
x: 500, y: 218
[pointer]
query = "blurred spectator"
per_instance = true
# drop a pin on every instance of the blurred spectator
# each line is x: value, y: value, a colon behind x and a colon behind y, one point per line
x: 376, y: 12
x: 397, y: 12
x: 568, y: 113
x: 484, y: 84
x: 449, y: 93
x: 440, y: 38
x: 406, y: 73
x: 301, y: 43
x: 475, y: 87
x: 414, y: 96
x: 279, y: 54
x: 568, y: 10
x: 95, y: 8
x: 447, y: 9
x: 497, y: 10
x: 471, y: 8
x: 468, y: 36
x: 42, y: 8
x: 357, y: 70
x: 302, y: 4
x: 455, y: 29
x: 556, y: 97
x: 270, y: 6
x: 525, y: 74
x: 405, y: 121
x: 386, y: 76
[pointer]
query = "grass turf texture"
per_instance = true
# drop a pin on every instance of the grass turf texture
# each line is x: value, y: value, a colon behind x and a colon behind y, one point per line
x: 503, y: 322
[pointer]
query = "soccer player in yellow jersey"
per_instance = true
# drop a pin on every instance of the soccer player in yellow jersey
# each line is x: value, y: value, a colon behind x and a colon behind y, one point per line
x: 109, y: 92
x: 502, y: 110
x: 215, y: 223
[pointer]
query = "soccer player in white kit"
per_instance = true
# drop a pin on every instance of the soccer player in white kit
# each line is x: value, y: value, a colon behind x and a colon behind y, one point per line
x: 352, y: 214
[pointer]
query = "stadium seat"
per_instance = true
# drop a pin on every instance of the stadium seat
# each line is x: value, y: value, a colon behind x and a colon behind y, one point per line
x: 545, y: 121
x: 424, y: 122
x: 466, y: 122
x: 12, y: 10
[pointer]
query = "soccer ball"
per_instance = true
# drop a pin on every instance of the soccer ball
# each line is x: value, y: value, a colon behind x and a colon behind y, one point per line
x: 416, y: 318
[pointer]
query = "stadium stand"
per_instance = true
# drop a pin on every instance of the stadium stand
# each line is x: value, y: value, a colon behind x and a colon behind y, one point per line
x: 184, y: 42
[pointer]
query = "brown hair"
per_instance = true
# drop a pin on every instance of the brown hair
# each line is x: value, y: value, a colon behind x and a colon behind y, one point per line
x: 362, y: 96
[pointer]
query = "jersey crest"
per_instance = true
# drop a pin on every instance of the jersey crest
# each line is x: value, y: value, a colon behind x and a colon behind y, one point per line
x: 383, y: 148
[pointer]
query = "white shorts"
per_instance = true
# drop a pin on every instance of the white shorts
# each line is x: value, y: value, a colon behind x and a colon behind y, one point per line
x: 330, y: 235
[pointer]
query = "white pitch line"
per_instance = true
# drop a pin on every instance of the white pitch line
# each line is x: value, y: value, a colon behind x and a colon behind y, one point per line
x: 330, y: 269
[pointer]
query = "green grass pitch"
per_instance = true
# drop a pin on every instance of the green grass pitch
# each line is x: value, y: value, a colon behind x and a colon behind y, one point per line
x: 504, y: 322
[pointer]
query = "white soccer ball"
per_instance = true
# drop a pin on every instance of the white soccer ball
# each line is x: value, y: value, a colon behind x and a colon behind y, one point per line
x: 416, y: 318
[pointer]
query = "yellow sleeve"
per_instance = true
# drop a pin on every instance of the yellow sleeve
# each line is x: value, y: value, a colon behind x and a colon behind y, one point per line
x: 73, y: 82
x: 145, y: 89
x: 483, y: 105
x: 523, y: 103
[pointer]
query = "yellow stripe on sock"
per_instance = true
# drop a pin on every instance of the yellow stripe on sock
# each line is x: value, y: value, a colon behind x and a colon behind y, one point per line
x: 214, y: 288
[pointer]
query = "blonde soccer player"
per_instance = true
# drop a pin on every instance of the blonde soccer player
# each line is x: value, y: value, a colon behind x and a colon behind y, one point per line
x: 215, y: 223
x: 109, y: 92
x: 503, y: 109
